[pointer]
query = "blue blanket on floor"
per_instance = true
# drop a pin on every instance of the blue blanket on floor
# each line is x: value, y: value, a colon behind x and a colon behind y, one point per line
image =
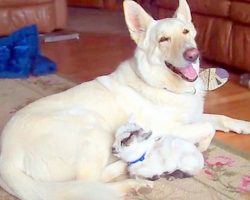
x: 20, y: 55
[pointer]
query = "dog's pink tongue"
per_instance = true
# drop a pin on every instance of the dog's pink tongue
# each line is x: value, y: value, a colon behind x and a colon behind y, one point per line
x: 189, y: 72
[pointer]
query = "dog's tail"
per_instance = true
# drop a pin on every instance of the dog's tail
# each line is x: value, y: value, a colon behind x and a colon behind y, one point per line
x: 19, y: 184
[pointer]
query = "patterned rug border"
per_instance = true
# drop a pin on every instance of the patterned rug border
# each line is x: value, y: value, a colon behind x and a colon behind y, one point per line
x: 213, y: 188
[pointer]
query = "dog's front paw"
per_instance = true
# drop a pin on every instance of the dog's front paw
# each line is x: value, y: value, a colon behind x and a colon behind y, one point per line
x: 237, y: 126
x: 244, y: 127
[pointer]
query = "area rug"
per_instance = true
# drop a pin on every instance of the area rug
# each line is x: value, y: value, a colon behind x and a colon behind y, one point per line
x: 226, y: 175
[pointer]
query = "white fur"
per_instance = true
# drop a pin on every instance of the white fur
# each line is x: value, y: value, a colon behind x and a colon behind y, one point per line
x: 166, y: 154
x: 51, y: 152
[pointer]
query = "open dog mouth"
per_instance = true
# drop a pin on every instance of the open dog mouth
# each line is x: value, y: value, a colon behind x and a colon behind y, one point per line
x: 188, y: 73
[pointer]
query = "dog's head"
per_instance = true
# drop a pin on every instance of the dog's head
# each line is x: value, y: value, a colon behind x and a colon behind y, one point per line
x: 167, y: 45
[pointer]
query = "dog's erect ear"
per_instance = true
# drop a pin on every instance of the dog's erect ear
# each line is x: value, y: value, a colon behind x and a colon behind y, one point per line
x: 137, y: 19
x: 183, y: 11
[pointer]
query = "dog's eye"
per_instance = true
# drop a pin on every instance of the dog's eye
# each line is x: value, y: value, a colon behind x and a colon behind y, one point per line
x: 185, y: 31
x: 165, y: 39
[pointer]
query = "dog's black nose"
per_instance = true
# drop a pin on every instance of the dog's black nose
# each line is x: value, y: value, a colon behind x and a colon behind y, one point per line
x: 191, y: 54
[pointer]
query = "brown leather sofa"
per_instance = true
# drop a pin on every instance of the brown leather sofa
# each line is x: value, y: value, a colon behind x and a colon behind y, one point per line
x: 47, y: 14
x: 223, y: 28
x: 106, y: 4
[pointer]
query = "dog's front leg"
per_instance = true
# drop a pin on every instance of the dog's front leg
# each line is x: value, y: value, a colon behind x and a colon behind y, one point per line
x: 200, y: 133
x: 226, y: 124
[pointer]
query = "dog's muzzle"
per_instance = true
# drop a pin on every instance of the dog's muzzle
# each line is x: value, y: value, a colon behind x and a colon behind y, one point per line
x: 188, y: 72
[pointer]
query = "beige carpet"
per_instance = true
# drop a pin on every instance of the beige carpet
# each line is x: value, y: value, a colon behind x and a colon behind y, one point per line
x: 225, y: 176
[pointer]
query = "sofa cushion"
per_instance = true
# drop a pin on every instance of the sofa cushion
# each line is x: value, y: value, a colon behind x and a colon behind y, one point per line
x: 240, y: 47
x: 17, y: 17
x: 214, y: 37
x: 240, y: 12
x: 164, y: 13
x: 8, y: 3
x: 209, y: 7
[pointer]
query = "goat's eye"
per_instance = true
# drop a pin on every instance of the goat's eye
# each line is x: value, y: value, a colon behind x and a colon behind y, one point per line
x: 165, y: 39
x: 185, y: 31
x: 126, y: 141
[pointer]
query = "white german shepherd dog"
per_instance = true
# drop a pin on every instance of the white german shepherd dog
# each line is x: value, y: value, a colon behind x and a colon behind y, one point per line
x: 58, y: 147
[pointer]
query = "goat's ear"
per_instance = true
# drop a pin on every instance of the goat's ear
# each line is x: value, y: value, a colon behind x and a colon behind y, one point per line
x: 145, y: 135
x: 131, y: 119
x: 136, y: 19
x: 183, y: 11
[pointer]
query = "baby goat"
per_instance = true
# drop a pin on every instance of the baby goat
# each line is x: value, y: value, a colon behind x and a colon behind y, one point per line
x: 153, y: 158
